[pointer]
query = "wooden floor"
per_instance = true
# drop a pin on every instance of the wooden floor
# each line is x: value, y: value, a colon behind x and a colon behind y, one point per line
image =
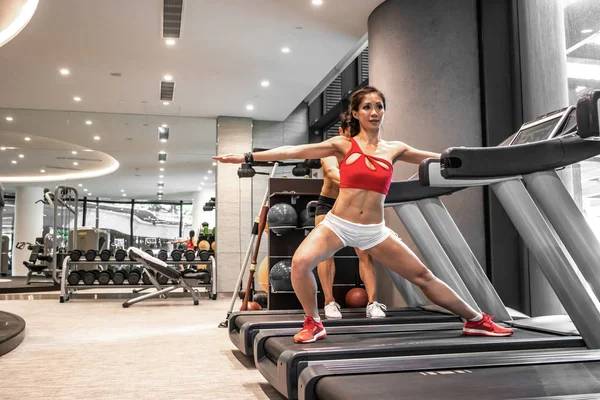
x: 95, y: 349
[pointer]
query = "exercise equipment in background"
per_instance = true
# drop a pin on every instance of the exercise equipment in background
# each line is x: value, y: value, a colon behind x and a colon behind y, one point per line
x: 282, y: 218
x: 281, y: 276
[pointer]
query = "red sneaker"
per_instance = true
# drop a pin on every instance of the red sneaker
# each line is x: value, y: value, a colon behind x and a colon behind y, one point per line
x: 486, y: 327
x: 311, y: 332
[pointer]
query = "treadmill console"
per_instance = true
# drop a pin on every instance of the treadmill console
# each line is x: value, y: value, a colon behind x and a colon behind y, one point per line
x: 543, y: 128
x: 588, y: 108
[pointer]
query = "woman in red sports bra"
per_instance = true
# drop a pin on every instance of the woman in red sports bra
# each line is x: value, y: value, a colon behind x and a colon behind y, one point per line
x: 357, y: 216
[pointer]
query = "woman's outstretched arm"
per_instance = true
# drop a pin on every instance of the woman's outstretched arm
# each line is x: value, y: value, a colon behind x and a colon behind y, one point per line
x: 327, y: 148
x: 411, y: 155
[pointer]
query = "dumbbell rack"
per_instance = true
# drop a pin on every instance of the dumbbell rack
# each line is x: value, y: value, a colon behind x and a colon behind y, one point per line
x: 66, y: 289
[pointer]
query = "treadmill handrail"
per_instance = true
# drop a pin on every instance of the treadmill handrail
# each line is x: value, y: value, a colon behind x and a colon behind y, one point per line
x: 522, y: 159
x: 412, y: 190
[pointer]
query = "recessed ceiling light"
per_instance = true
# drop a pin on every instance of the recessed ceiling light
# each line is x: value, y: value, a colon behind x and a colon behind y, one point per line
x: 265, y: 83
x: 43, y: 171
x: 210, y: 171
x: 124, y: 194
x: 249, y: 107
x: 163, y: 140
x: 122, y: 190
x: 161, y: 176
x: 85, y: 190
x: 162, y: 161
x: 161, y: 169
x: 9, y: 119
x: 165, y: 103
x: 587, y: 31
x: 285, y: 50
x: 27, y: 139
x: 73, y: 152
x: 77, y: 98
x: 2, y: 148
x: 14, y: 161
x: 203, y: 183
x: 75, y: 163
x: 96, y: 137
x: 165, y: 125
x: 214, y: 164
x: 168, y: 77
x: 64, y: 71
x: 88, y: 150
x: 317, y: 2
x: 206, y: 177
x: 88, y: 122
x: 170, y: 42
x: 199, y: 188
x: 89, y: 194
x: 80, y: 185
x: 21, y: 156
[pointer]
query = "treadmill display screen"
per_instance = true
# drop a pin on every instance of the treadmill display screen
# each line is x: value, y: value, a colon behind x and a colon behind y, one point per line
x: 537, y: 132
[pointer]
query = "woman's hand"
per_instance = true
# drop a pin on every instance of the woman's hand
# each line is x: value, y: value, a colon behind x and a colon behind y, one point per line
x: 230, y: 158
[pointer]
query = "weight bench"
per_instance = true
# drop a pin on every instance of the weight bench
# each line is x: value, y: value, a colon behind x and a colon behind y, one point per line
x: 161, y: 267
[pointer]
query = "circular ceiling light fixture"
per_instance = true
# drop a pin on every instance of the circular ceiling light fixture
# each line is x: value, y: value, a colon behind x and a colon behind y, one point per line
x: 16, y: 15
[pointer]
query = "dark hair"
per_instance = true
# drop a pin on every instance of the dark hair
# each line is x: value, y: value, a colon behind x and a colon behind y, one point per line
x: 345, y: 118
x: 192, y: 234
x: 355, y: 100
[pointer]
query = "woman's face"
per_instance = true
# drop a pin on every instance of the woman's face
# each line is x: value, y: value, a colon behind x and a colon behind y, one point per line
x: 370, y: 112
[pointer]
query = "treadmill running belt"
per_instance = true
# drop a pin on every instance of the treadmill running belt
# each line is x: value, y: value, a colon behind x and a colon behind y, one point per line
x: 577, y: 380
x: 415, y: 314
x: 415, y: 341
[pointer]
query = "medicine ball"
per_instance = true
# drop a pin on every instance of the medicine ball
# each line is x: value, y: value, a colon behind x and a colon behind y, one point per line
x: 307, y: 220
x: 281, y: 276
x: 357, y: 298
x: 282, y: 218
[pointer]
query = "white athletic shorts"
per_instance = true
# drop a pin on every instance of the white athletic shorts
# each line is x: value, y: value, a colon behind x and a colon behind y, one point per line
x: 361, y: 236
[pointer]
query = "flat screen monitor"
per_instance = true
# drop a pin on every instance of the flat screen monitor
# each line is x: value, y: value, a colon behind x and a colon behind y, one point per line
x: 537, y: 132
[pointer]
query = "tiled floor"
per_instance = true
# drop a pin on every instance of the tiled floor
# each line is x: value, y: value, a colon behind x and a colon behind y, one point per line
x: 95, y: 349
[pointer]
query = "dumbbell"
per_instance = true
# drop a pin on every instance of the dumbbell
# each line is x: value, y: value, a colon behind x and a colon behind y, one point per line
x: 204, y: 255
x: 190, y: 255
x: 163, y: 255
x: 76, y: 255
x: 105, y: 255
x: 176, y: 255
x: 162, y: 279
x: 120, y: 255
x: 105, y: 276
x: 204, y: 277
x: 134, y: 276
x: 146, y: 278
x: 90, y: 255
x: 119, y: 277
x: 90, y: 277
x: 74, y: 278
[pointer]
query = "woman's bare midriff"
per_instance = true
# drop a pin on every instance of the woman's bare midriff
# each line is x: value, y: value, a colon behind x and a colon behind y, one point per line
x: 360, y: 206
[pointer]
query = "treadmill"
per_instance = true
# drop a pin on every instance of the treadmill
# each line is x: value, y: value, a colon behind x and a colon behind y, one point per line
x: 469, y: 278
x: 548, y: 374
x: 281, y: 361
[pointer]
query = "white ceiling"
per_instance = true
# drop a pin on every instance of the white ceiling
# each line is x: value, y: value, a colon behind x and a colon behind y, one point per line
x: 226, y: 48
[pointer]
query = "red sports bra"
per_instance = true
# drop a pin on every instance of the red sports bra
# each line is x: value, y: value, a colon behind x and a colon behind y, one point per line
x: 357, y: 175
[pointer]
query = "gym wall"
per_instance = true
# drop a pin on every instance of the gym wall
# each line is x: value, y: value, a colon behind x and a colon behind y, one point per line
x: 424, y: 57
x: 233, y: 198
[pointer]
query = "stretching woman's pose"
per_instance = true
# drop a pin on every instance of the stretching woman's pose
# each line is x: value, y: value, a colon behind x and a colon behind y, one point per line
x: 357, y: 217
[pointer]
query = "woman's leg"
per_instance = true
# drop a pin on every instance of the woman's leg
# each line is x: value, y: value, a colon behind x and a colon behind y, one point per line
x: 395, y: 255
x: 326, y: 271
x: 319, y: 245
x: 367, y: 273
